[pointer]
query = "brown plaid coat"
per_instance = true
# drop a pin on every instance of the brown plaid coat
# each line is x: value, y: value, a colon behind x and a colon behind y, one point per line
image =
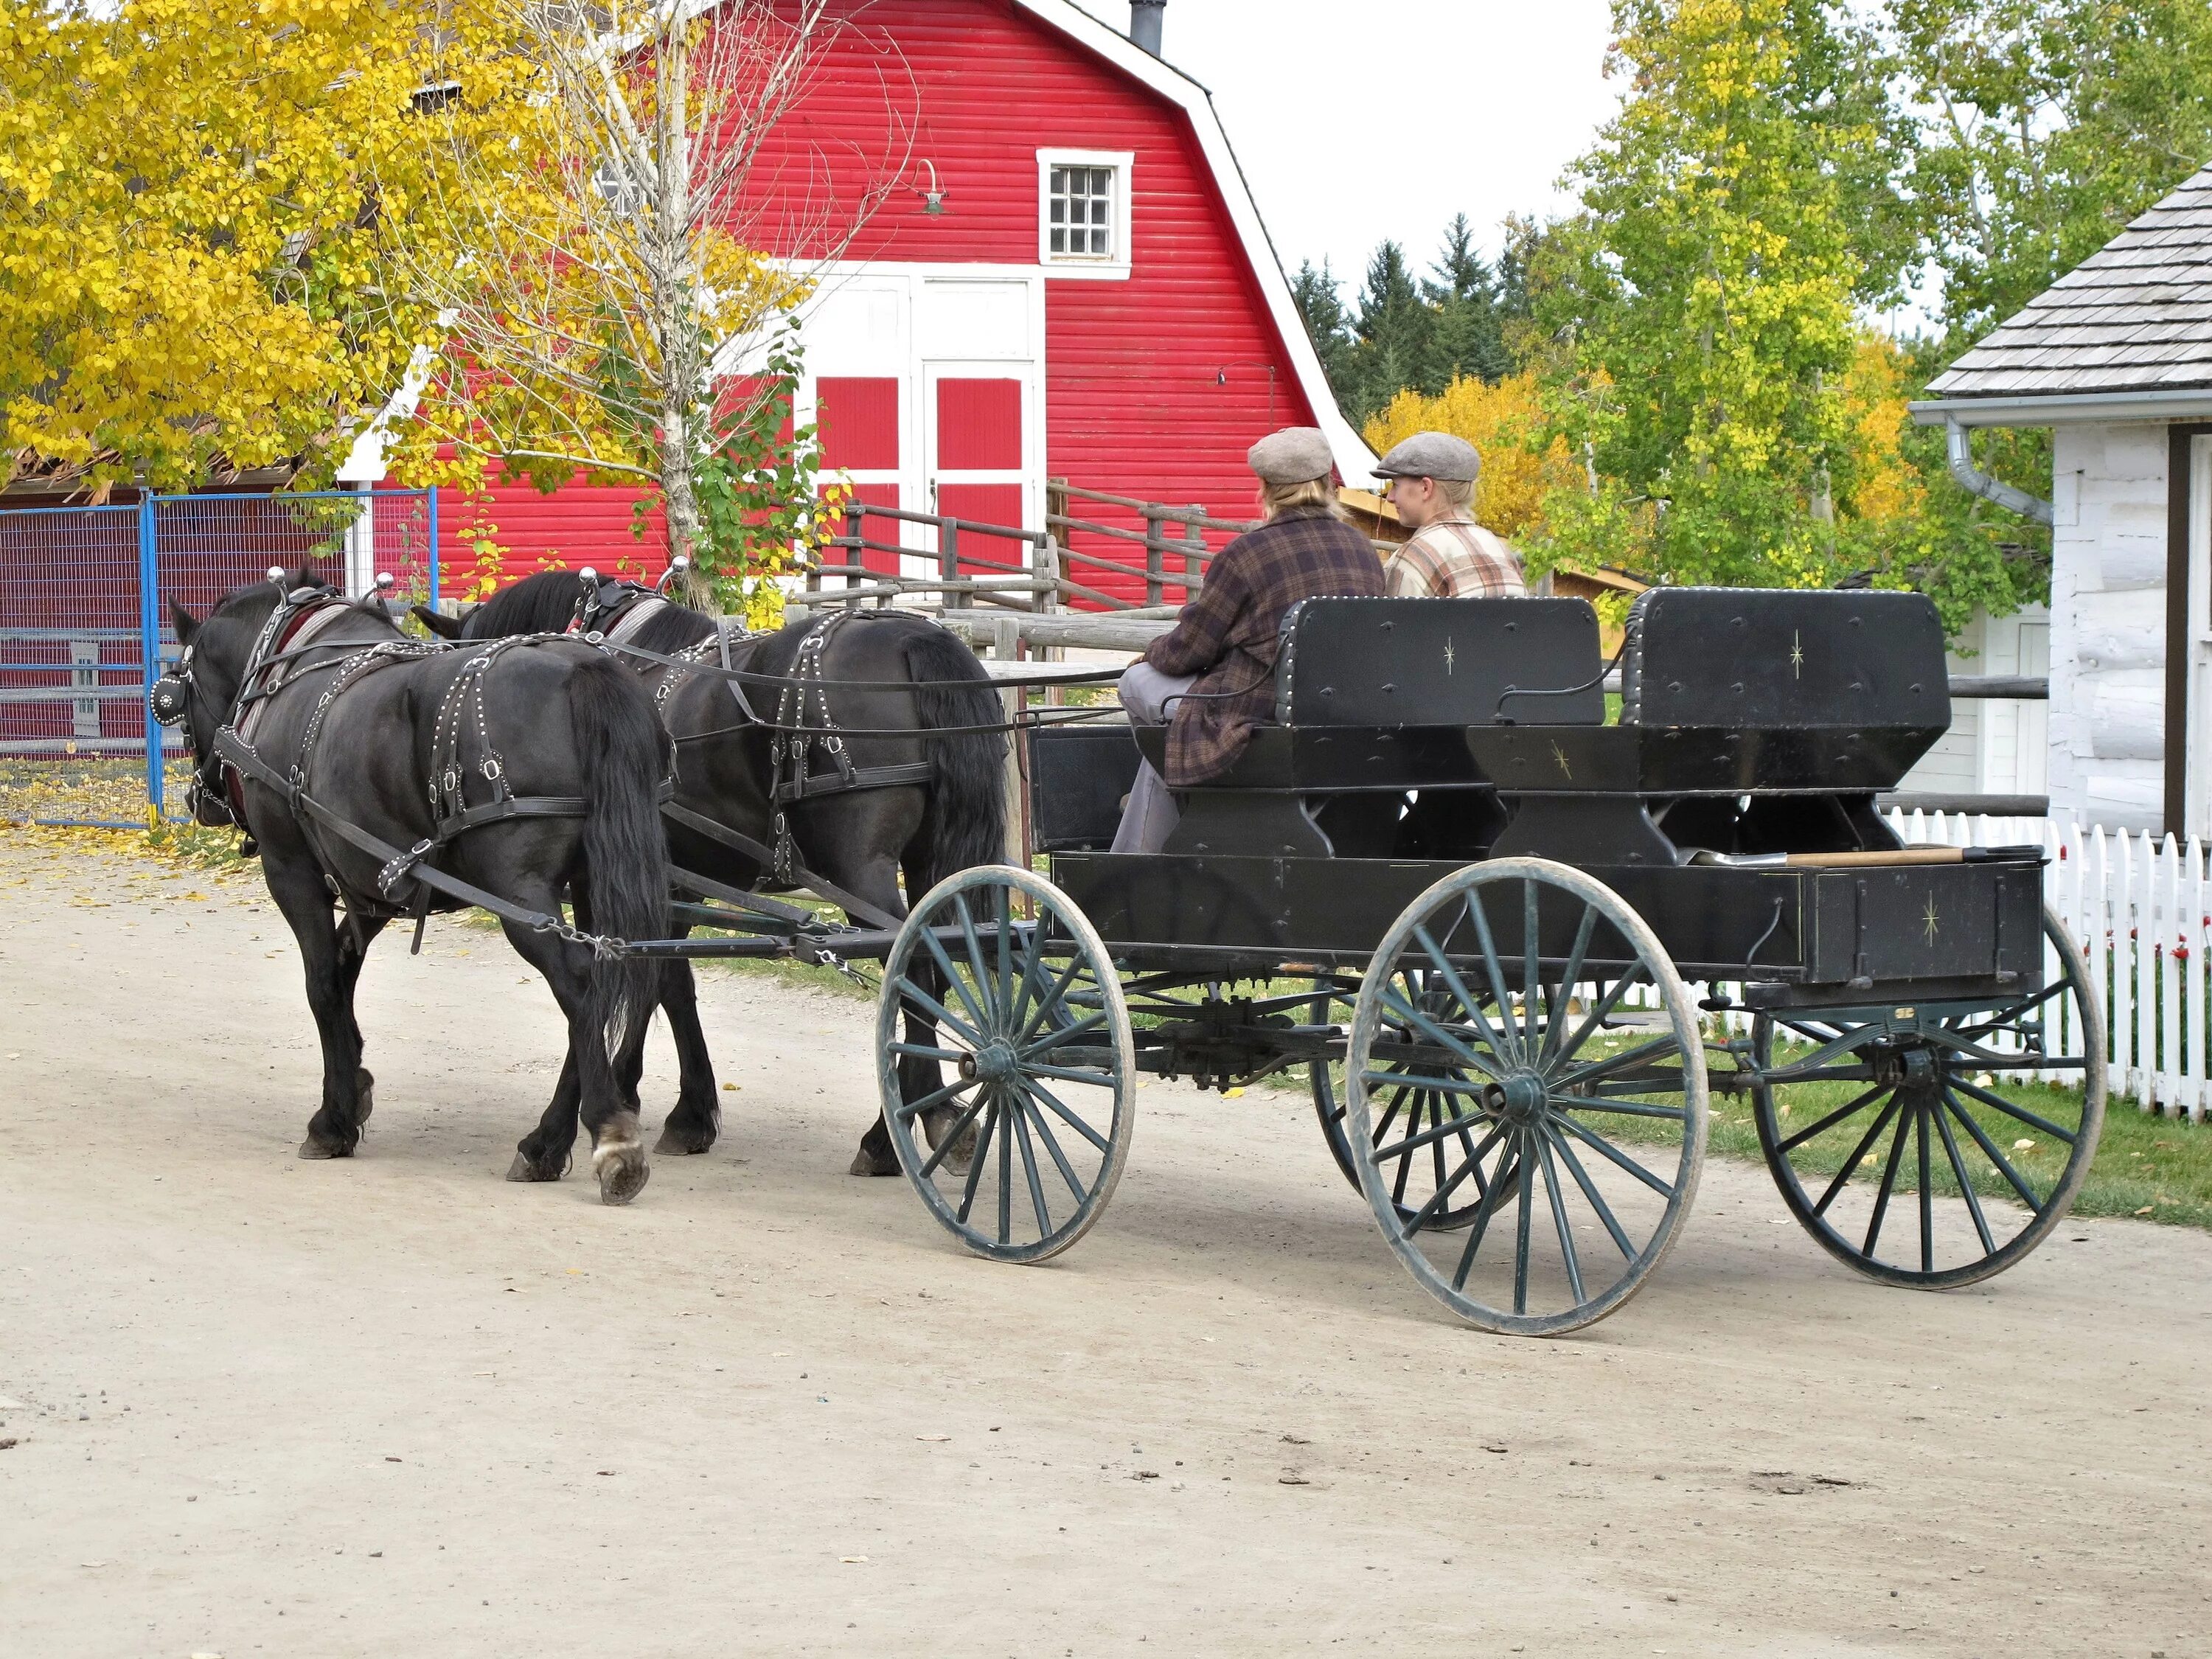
x: 1227, y: 633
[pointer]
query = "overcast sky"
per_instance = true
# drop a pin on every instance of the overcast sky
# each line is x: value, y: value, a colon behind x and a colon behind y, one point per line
x: 1358, y: 119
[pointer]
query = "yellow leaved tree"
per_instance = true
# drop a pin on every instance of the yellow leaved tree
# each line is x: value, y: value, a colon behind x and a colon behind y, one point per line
x: 1506, y: 422
x: 188, y: 202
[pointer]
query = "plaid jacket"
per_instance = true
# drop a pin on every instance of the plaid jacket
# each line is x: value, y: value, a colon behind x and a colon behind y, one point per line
x: 1227, y: 633
x: 1457, y: 559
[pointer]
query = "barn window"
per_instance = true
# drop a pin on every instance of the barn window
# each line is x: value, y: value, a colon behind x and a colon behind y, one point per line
x: 1082, y: 211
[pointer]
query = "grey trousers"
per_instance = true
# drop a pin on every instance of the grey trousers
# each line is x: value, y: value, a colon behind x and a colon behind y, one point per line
x: 1151, y: 815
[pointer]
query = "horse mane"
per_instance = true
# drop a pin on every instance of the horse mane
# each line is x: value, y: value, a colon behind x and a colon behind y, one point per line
x: 542, y: 604
x: 672, y: 627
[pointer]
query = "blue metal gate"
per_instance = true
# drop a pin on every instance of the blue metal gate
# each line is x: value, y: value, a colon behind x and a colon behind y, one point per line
x: 85, y: 624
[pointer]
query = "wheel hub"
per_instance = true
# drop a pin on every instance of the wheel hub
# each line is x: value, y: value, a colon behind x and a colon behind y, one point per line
x: 992, y: 1062
x: 1518, y: 1099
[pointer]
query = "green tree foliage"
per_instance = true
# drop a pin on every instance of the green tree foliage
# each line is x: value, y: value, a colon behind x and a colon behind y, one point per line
x: 1328, y: 324
x: 1710, y: 288
x: 1467, y: 340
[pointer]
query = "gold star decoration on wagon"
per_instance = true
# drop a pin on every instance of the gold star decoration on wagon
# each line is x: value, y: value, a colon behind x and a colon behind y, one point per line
x: 1561, y: 756
x: 1449, y: 655
x: 1796, y: 653
x: 1929, y: 920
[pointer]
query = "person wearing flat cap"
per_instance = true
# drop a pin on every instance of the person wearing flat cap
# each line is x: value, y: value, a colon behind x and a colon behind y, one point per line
x: 1450, y: 556
x: 1212, y: 680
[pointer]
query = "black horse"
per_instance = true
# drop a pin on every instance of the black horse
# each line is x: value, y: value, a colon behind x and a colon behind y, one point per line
x: 332, y: 721
x: 872, y: 736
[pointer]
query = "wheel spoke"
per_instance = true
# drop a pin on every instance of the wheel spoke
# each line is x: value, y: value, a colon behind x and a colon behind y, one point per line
x: 1595, y: 1069
x: 923, y: 1051
x: 1052, y: 1145
x: 1005, y: 1176
x: 1045, y: 1097
x: 984, y: 978
x: 1405, y: 1165
x: 1002, y: 898
x: 1442, y: 1085
x: 1413, y: 1016
x: 1429, y: 1210
x: 1966, y: 1183
x: 1888, y: 1180
x: 1827, y: 1122
x: 1598, y: 1010
x: 914, y: 992
x: 1486, y: 1209
x: 1051, y: 999
x: 2011, y: 1016
x: 2034, y: 1121
x: 1481, y: 917
x: 1927, y: 1194
x: 1466, y: 998
x: 1029, y: 1169
x: 1626, y: 1107
x: 1556, y: 1015
x: 2002, y: 1163
x: 1590, y: 1192
x: 1858, y: 1156
x: 1071, y: 1074
x: 1524, y: 1186
x: 907, y: 1108
x: 1025, y: 993
x: 1046, y: 1044
x: 1443, y: 1131
x: 1608, y: 1150
x: 1560, y: 1221
x: 982, y: 1157
x: 943, y: 1148
x: 960, y: 988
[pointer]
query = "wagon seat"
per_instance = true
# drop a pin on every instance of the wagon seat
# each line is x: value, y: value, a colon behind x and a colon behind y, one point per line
x: 1373, y: 697
x: 1753, y: 720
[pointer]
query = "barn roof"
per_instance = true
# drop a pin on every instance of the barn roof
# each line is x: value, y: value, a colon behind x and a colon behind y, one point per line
x: 1354, y: 461
x: 2129, y: 328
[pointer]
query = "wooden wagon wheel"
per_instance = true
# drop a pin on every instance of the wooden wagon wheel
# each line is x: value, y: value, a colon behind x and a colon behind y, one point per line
x: 1905, y: 1108
x: 1577, y: 1118
x: 1033, y: 1052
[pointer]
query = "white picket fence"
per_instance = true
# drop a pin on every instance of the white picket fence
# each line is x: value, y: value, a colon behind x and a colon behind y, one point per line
x: 2140, y: 906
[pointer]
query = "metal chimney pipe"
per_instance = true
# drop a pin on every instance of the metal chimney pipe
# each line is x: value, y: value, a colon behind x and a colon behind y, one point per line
x: 1144, y: 23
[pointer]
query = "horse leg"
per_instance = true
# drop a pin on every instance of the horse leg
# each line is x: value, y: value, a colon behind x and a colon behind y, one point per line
x: 618, y: 1150
x: 301, y: 896
x: 692, y: 1127
x: 545, y: 1153
x: 919, y: 1076
x: 355, y: 937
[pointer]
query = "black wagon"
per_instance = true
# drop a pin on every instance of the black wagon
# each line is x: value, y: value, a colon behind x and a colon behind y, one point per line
x: 1478, y: 915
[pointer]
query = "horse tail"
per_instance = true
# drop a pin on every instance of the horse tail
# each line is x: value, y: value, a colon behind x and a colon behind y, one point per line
x: 623, y: 753
x: 967, y: 820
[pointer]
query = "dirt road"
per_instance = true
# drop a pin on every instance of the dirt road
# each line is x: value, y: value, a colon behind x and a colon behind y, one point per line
x: 396, y: 1405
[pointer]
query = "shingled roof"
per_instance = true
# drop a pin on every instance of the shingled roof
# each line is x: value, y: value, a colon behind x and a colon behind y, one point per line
x: 2134, y: 317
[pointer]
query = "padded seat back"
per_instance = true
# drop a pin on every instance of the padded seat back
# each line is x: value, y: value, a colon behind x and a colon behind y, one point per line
x: 1785, y: 660
x: 1438, y: 662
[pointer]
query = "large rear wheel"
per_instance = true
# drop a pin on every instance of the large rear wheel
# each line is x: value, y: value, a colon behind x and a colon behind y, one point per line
x: 1539, y: 1028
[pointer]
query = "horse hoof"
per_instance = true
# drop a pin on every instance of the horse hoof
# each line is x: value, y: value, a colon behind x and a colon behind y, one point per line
x: 316, y: 1152
x: 523, y: 1170
x: 622, y: 1178
x: 865, y: 1163
x: 364, y: 1088
x: 680, y: 1143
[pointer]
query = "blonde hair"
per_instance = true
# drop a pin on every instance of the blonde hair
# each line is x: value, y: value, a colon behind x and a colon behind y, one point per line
x: 1460, y: 492
x: 1275, y: 499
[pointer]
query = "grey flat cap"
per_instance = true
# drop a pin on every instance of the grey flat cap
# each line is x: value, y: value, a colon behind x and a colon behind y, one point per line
x: 1432, y: 455
x: 1296, y: 455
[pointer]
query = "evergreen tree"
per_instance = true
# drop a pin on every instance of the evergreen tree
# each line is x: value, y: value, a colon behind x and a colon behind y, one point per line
x: 1328, y: 324
x: 1466, y: 341
x: 1395, y: 333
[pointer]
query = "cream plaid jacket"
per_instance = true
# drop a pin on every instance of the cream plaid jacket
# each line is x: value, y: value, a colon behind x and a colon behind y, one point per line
x: 1457, y: 559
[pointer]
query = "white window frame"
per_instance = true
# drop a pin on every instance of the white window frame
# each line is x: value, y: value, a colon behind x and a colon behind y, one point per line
x: 1114, y: 267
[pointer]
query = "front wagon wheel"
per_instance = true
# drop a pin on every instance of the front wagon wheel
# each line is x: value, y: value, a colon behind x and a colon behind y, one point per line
x: 1008, y: 1041
x: 1934, y: 1147
x: 1540, y: 1013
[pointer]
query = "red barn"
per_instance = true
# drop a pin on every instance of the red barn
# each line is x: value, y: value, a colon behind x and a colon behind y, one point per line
x: 1068, y: 278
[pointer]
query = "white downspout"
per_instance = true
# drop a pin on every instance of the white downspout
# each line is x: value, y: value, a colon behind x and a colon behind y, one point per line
x: 1962, y: 448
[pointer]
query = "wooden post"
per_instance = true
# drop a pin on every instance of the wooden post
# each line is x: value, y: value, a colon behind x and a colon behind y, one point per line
x: 1194, y: 538
x: 948, y: 549
x: 1155, y: 551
